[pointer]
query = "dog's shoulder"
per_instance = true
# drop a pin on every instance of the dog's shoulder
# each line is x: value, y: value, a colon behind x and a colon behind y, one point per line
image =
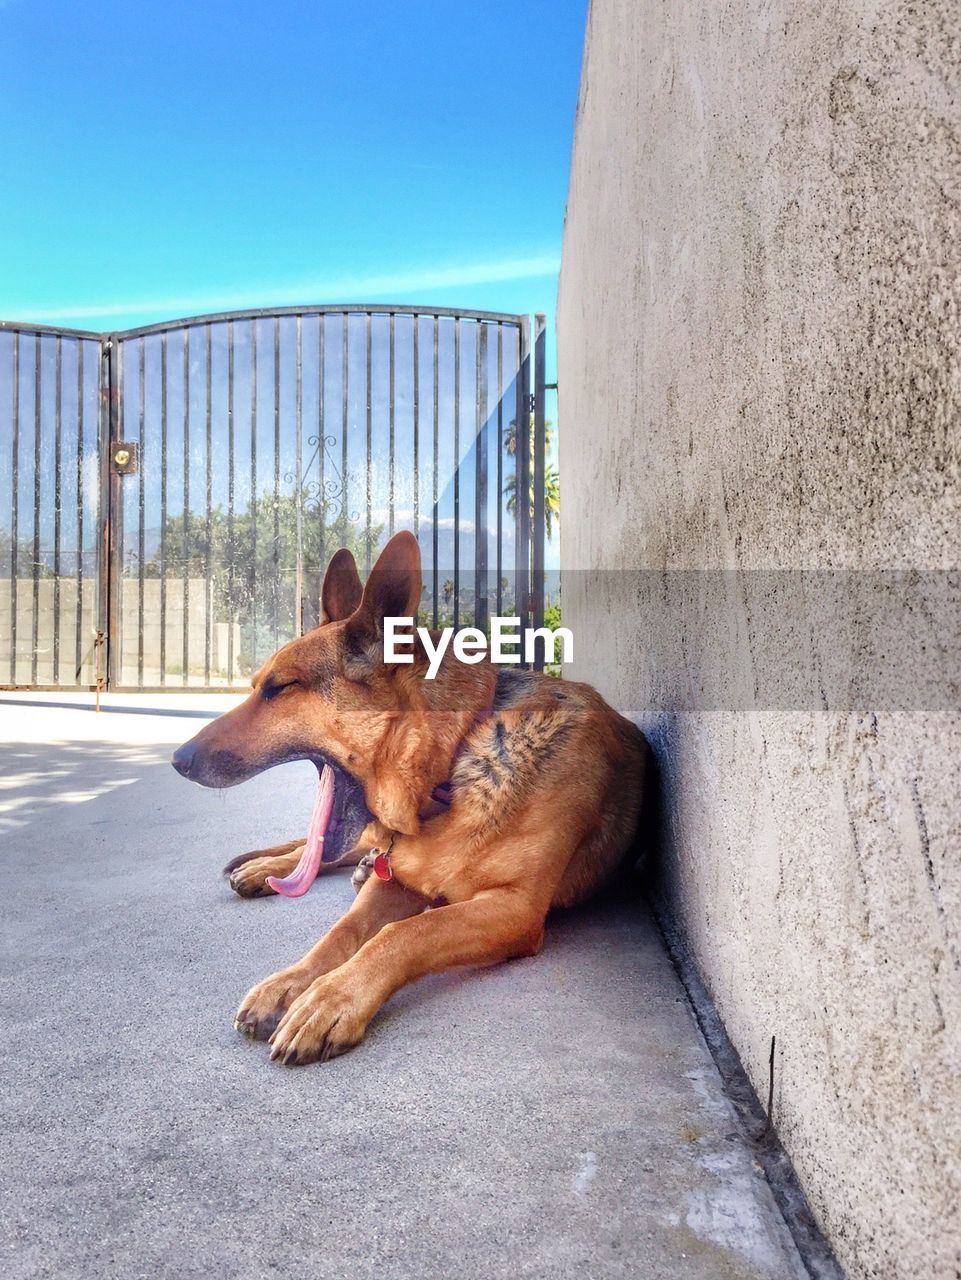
x: 517, y: 688
x: 540, y: 728
x: 560, y: 701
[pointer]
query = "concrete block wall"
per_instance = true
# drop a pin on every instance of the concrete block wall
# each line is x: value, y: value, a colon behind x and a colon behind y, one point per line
x: 58, y: 664
x: 759, y: 356
x: 53, y: 604
x: 169, y: 623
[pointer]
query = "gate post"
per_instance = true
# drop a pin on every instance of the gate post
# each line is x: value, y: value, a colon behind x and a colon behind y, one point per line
x: 111, y: 515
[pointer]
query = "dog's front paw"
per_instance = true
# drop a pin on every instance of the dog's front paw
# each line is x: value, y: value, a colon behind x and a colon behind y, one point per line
x: 250, y: 878
x: 324, y: 1022
x: 264, y: 1005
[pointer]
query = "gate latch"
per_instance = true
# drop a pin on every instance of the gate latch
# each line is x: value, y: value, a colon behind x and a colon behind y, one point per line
x: 124, y: 457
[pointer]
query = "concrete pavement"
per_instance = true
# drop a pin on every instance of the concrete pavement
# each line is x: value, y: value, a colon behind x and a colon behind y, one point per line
x: 558, y: 1116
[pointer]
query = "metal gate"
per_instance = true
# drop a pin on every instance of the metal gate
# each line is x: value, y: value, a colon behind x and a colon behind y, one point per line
x: 169, y: 495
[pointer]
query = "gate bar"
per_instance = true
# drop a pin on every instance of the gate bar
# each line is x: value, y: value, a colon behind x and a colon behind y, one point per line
x: 456, y: 470
x: 230, y: 501
x: 368, y: 547
x: 78, y: 637
x: 436, y: 461
x: 163, y: 508
x: 390, y: 431
x: 500, y: 468
x: 540, y: 442
x: 255, y: 609
x: 15, y: 508
x: 298, y: 479
x: 301, y: 624
x: 35, y: 620
x: 345, y: 414
x: 522, y: 581
x: 276, y: 583
x: 185, y: 590
x: 268, y: 313
x: 416, y: 412
x: 316, y: 606
x: 481, y: 585
x: 141, y: 500
x: 57, y: 500
x: 208, y: 494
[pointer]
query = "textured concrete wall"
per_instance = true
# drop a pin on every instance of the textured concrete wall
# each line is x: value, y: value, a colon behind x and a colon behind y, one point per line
x: 759, y: 352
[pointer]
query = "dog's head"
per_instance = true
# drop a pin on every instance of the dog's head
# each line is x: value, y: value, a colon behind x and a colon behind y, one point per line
x: 329, y: 697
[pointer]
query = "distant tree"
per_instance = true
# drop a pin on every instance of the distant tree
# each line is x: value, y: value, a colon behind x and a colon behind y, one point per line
x: 27, y: 566
x: 552, y: 619
x: 256, y: 544
x: 250, y: 562
x: 552, y: 485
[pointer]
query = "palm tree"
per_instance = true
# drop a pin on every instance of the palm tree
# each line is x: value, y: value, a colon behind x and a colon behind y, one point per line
x: 552, y: 482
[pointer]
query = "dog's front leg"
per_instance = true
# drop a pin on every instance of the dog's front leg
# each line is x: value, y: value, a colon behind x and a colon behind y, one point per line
x: 247, y: 874
x: 332, y: 1014
x: 379, y: 903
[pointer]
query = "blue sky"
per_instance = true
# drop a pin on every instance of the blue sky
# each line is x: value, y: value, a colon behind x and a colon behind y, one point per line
x: 165, y: 159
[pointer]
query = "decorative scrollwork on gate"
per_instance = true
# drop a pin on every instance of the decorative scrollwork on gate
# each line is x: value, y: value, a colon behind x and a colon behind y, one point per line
x: 324, y: 496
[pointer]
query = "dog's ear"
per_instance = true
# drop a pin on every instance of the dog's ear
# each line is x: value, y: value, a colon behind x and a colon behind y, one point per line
x: 393, y: 590
x: 342, y: 590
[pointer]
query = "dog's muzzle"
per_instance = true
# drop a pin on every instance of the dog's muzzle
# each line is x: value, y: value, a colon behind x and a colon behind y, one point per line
x: 215, y: 768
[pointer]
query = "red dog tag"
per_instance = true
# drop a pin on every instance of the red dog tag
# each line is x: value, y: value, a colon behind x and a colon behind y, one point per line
x: 382, y: 866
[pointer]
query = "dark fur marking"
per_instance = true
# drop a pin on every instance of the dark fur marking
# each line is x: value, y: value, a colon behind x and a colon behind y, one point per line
x: 487, y: 766
x: 511, y: 688
x: 358, y: 648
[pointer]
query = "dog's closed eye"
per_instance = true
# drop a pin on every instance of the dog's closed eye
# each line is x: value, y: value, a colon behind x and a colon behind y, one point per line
x: 276, y: 685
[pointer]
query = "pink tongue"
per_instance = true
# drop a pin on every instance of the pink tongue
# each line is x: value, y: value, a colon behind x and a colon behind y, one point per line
x: 305, y: 872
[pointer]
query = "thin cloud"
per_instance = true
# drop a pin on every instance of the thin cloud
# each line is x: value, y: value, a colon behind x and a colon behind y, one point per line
x: 346, y: 289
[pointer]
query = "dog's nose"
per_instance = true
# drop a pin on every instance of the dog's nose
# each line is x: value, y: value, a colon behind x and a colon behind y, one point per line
x: 183, y: 758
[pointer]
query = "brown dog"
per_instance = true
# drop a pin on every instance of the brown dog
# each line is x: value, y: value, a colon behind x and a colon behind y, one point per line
x: 494, y: 794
